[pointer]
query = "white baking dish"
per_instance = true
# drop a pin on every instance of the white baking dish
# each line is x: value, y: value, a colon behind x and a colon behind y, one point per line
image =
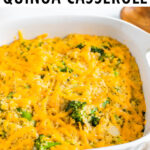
x: 137, y: 40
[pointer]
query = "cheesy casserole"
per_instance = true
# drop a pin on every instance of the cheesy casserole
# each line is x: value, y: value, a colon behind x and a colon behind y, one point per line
x: 73, y: 93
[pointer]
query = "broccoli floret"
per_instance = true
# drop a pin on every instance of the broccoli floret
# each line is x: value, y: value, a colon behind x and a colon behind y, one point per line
x: 102, y: 57
x: 106, y: 102
x: 119, y: 120
x: 75, y: 108
x: 76, y: 112
x: 24, y: 45
x: 69, y: 70
x: 135, y: 101
x: 65, y: 68
x: 75, y: 105
x: 117, y: 117
x: 25, y: 58
x: 93, y: 111
x: 119, y: 61
x: 100, y: 51
x: 76, y: 115
x: 95, y: 121
x: 111, y: 57
x: 3, y: 134
x: 40, y: 44
x: 42, y: 76
x: 116, y: 73
x: 106, y: 47
x: 27, y: 86
x: 10, y: 95
x: 97, y: 50
x: 25, y: 114
x: 80, y: 46
x: 42, y: 144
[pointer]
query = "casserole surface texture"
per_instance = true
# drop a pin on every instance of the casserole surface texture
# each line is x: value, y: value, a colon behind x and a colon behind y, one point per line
x: 79, y: 92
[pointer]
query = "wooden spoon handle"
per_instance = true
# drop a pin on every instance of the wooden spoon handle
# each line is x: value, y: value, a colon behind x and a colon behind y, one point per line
x: 139, y: 16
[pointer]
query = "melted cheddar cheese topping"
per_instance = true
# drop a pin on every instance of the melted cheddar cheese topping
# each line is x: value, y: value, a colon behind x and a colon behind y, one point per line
x: 78, y: 92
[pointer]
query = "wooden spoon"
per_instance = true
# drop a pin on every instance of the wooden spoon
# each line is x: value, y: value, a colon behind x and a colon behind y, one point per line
x: 139, y: 16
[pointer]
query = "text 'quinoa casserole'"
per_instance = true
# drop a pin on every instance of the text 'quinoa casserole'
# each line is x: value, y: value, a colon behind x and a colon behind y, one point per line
x: 73, y: 93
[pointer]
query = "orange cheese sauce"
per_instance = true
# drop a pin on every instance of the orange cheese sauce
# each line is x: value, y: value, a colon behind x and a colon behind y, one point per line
x: 78, y: 92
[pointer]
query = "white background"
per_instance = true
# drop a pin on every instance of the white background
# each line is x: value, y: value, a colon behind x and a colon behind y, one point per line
x: 21, y: 12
